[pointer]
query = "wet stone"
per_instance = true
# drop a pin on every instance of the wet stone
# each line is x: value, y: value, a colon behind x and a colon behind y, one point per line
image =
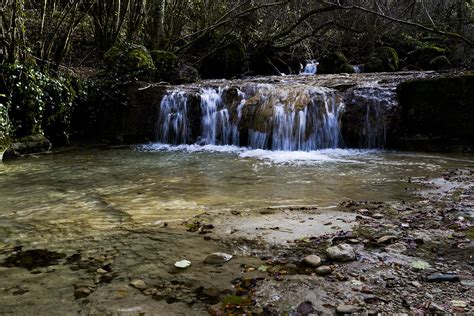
x: 439, y: 277
x: 313, y: 261
x: 386, y: 239
x: 324, y: 270
x: 347, y: 309
x: 82, y: 292
x: 342, y: 252
x: 218, y: 258
x: 398, y: 248
x: 139, y: 284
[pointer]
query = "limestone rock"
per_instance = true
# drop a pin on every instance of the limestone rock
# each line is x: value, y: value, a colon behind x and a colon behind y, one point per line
x: 312, y: 261
x: 324, y: 270
x: 342, y: 252
x: 139, y: 284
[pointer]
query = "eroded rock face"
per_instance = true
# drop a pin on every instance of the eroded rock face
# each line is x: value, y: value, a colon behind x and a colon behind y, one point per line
x: 295, y: 112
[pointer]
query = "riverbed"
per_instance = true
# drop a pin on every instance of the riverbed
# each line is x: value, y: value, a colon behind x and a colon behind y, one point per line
x: 112, y: 215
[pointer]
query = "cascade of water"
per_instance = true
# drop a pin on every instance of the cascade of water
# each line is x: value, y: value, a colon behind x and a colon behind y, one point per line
x: 173, y: 121
x: 302, y: 119
x: 217, y: 128
x: 311, y: 68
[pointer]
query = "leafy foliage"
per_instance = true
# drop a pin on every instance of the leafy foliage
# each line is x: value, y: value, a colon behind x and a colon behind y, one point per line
x: 38, y: 103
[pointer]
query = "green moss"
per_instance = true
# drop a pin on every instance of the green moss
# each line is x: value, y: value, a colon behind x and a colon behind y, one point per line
x: 332, y: 63
x: 383, y: 59
x: 166, y: 64
x: 440, y: 62
x: 470, y: 233
x: 130, y: 60
x: 423, y: 57
x: 346, y: 68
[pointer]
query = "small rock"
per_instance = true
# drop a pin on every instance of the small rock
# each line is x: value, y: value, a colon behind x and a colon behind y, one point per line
x: 342, y: 252
x: 212, y: 292
x: 139, y: 284
x: 347, y: 309
x: 377, y: 216
x: 386, y: 239
x: 420, y: 265
x: 183, y: 264
x: 323, y: 270
x: 398, y: 248
x: 313, y: 261
x: 416, y: 284
x: 305, y: 308
x: 101, y: 271
x: 217, y: 258
x: 459, y: 304
x: 82, y: 292
x: 468, y: 283
x: 439, y: 277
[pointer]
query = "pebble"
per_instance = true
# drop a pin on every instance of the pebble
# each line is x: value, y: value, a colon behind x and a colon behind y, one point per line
x: 460, y: 304
x: 469, y: 283
x: 323, y: 270
x: 218, y: 258
x: 82, y: 292
x: 313, y: 261
x: 377, y: 216
x: 139, y: 284
x: 386, y: 239
x: 342, y: 252
x: 101, y: 271
x: 398, y: 248
x: 347, y: 309
x: 183, y: 264
x: 305, y: 308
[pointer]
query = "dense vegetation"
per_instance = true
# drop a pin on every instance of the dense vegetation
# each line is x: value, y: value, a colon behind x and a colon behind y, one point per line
x: 55, y: 54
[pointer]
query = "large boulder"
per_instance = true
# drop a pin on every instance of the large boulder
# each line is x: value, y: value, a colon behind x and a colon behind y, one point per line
x: 383, y: 59
x: 428, y: 58
x: 166, y: 64
x: 27, y: 145
x: 334, y: 63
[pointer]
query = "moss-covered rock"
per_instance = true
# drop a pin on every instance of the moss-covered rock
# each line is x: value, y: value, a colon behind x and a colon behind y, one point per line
x: 383, y: 59
x: 424, y: 57
x: 332, y: 63
x: 166, y: 64
x: 347, y: 68
x: 27, y: 145
x: 130, y: 60
x: 439, y: 63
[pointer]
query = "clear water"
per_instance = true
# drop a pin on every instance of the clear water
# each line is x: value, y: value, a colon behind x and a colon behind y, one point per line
x: 98, y: 190
x: 110, y: 204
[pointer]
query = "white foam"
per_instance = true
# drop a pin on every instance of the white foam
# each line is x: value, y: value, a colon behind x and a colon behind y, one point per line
x: 276, y: 157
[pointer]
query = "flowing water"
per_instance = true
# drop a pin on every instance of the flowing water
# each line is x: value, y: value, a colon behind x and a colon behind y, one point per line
x: 98, y: 190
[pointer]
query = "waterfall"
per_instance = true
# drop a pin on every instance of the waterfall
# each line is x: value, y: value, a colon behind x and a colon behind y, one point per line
x: 216, y: 125
x: 173, y: 121
x: 264, y: 116
x: 311, y: 68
